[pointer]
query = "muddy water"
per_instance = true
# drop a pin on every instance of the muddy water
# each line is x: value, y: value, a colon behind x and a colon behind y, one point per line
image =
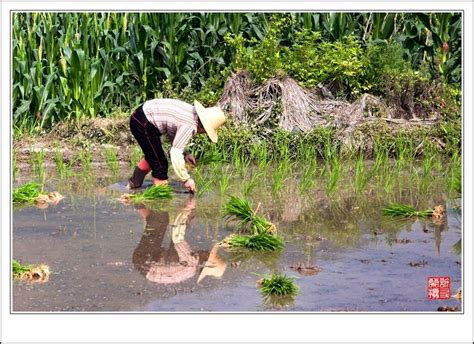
x: 106, y: 256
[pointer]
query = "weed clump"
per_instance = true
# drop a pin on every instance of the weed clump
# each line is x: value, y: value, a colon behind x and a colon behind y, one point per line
x: 277, y: 284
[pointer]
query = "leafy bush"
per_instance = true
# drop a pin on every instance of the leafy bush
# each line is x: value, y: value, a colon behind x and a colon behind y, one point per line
x: 311, y: 61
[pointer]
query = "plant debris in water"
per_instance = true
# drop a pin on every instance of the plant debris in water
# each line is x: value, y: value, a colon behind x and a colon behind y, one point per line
x: 398, y: 209
x: 30, y: 273
x: 154, y: 192
x: 448, y: 309
x: 257, y: 242
x: 278, y: 284
x: 306, y: 270
x: 416, y: 263
x: 240, y: 208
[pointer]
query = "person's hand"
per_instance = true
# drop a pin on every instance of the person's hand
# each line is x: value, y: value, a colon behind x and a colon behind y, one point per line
x: 190, y: 159
x: 190, y: 185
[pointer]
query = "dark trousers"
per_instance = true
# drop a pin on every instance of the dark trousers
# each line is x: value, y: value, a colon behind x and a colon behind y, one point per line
x: 148, y: 137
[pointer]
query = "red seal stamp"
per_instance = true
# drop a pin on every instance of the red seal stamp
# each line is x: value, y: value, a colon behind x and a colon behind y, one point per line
x: 439, y: 288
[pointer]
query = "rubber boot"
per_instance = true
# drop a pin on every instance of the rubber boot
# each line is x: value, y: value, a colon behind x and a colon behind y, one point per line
x: 137, y: 178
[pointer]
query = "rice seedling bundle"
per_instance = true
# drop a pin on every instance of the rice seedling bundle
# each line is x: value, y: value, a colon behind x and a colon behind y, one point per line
x: 257, y: 242
x: 398, y: 209
x: 152, y: 193
x: 26, y: 193
x: 278, y: 284
x: 241, y: 209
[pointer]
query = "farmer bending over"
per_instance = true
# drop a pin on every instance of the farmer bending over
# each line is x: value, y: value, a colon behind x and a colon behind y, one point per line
x: 178, y: 120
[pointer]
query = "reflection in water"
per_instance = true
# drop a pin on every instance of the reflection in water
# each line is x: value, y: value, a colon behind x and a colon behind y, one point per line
x: 177, y: 262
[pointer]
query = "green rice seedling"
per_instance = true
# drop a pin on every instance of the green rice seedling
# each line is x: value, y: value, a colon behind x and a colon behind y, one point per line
x: 457, y: 247
x: 85, y: 157
x: 428, y: 164
x: 224, y: 182
x: 203, y: 184
x: 209, y: 157
x: 257, y: 242
x: 18, y: 269
x: 14, y: 165
x: 58, y: 158
x: 280, y: 175
x: 111, y: 159
x: 241, y: 210
x: 334, y: 175
x: 135, y: 156
x: 307, y: 178
x: 152, y: 193
x: 251, y: 183
x: 37, y: 162
x: 361, y: 176
x: 27, y: 193
x: 278, y: 284
x: 398, y: 209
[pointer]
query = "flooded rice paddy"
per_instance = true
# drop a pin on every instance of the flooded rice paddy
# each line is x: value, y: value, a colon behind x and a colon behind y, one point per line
x: 344, y: 254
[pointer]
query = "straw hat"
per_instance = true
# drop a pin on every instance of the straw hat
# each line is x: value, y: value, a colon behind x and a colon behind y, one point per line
x: 211, y: 119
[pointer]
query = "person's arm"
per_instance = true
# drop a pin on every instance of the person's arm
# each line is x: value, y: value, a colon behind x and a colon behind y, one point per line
x: 182, y: 137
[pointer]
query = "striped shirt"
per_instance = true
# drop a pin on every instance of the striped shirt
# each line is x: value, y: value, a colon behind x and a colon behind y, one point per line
x: 174, y: 118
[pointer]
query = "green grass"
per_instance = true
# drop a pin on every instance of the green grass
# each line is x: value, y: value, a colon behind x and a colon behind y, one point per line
x: 257, y: 242
x: 398, y: 209
x: 27, y: 193
x: 241, y: 209
x: 152, y: 193
x: 278, y: 284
